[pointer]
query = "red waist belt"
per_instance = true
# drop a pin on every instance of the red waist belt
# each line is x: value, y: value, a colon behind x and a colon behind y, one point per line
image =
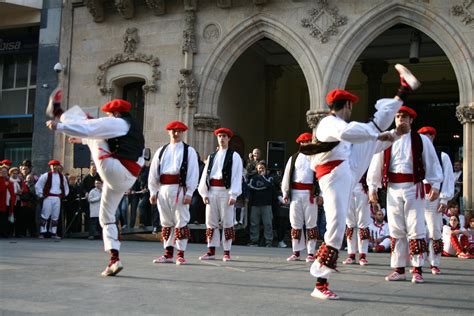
x: 400, y: 177
x: 301, y: 186
x: 427, y: 187
x: 324, y: 169
x: 130, y: 165
x: 56, y: 195
x: 217, y: 183
x: 169, y: 179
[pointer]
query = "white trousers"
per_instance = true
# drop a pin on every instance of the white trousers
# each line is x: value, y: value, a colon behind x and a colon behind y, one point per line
x: 338, y: 185
x: 434, y: 226
x: 406, y: 221
x: 303, y: 213
x: 116, y: 180
x: 173, y: 213
x: 358, y: 217
x: 51, y: 208
x: 219, y: 211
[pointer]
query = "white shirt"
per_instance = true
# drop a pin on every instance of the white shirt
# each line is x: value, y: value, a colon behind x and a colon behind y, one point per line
x: 401, y: 161
x: 447, y: 188
x: 170, y: 164
x: 55, y: 184
x: 94, y: 202
x: 378, y: 231
x: 216, y: 173
x: 302, y: 173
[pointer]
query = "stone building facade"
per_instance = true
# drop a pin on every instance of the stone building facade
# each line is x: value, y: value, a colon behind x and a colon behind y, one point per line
x: 180, y: 52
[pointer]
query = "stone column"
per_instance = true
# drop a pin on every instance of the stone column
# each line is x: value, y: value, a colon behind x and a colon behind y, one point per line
x: 465, y: 114
x: 313, y: 117
x: 374, y: 70
x: 204, y: 140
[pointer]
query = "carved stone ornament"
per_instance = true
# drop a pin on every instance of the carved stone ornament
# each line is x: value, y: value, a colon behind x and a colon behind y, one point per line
x: 96, y: 9
x: 211, y: 33
x: 204, y: 122
x: 314, y: 117
x: 189, y: 35
x: 130, y: 40
x: 224, y: 4
x: 465, y: 113
x: 323, y: 21
x: 157, y: 6
x: 126, y: 8
x: 190, y: 5
x: 187, y: 89
x: 465, y: 11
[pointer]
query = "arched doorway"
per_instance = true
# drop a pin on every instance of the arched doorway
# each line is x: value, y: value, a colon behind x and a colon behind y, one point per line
x: 265, y: 97
x: 373, y: 77
x: 133, y: 93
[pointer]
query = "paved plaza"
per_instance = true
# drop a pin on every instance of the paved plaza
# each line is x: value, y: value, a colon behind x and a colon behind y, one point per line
x: 63, y: 278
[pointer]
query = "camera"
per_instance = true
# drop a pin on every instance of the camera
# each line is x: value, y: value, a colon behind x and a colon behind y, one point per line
x: 58, y: 67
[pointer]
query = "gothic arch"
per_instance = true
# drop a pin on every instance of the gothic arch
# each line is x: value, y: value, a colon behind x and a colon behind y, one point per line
x: 381, y: 18
x: 237, y: 41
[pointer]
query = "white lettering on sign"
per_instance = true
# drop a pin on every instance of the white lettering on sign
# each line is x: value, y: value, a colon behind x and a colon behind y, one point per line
x: 7, y: 46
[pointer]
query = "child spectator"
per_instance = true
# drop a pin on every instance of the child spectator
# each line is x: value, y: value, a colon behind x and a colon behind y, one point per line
x: 470, y: 230
x: 455, y: 240
x: 94, y: 204
x: 379, y: 240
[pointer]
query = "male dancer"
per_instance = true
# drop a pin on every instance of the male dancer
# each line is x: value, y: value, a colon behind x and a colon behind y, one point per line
x: 298, y: 188
x: 358, y: 222
x: 173, y: 177
x: 343, y: 154
x: 116, y: 144
x: 434, y: 209
x: 52, y: 186
x: 220, y: 185
x: 402, y: 169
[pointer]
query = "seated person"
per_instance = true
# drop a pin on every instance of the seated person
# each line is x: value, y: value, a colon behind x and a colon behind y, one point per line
x: 455, y: 240
x: 453, y: 210
x: 379, y: 240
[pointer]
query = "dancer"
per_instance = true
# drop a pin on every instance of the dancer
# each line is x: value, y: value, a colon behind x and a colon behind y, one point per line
x: 116, y: 144
x: 173, y: 178
x: 434, y: 209
x: 402, y: 168
x: 220, y: 185
x: 340, y: 165
x: 298, y: 187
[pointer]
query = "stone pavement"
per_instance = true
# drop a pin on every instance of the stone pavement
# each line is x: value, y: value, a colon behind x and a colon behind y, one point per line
x: 63, y: 278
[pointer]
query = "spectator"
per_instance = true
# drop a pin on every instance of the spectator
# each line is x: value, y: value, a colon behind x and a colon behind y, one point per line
x: 144, y: 206
x: 134, y: 198
x: 7, y: 202
x: 26, y: 218
x: 16, y: 180
x: 197, y: 209
x: 453, y: 210
x: 470, y: 230
x: 262, y: 191
x: 251, y: 168
x: 88, y: 183
x: 72, y: 206
x: 280, y: 211
x: 455, y: 240
x: 379, y: 234
x: 457, y: 168
x: 94, y: 197
x: 122, y: 212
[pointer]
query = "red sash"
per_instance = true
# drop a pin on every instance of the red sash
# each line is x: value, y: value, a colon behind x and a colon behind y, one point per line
x: 169, y: 179
x: 324, y: 169
x: 130, y: 165
x: 400, y: 177
x: 217, y: 183
x: 301, y: 186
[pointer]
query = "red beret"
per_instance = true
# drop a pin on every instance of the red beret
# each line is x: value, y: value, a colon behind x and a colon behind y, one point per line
x: 6, y: 162
x: 53, y: 162
x: 338, y: 94
x: 224, y: 130
x: 117, y: 105
x: 176, y: 125
x: 411, y: 113
x: 305, y: 137
x: 427, y: 130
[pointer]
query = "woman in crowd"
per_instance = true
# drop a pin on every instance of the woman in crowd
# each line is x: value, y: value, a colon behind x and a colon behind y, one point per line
x: 455, y: 240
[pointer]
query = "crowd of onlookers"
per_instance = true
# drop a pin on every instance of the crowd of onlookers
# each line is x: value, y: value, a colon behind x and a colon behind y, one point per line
x: 261, y: 216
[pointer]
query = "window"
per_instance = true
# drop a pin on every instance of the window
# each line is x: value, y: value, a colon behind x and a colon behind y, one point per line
x: 18, y: 84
